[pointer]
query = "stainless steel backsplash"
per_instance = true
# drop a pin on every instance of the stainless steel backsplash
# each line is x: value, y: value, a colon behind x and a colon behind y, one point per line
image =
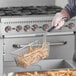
x: 9, y: 3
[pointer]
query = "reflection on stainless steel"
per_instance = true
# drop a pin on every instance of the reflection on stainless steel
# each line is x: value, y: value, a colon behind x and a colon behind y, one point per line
x: 54, y: 64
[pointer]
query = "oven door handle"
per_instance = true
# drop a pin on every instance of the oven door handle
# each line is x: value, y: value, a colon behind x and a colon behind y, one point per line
x: 57, y: 43
x: 24, y: 45
x: 17, y: 46
x: 49, y: 43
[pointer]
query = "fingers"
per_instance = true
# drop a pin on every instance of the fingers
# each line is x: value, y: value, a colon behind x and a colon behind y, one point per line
x: 60, y: 24
x: 58, y: 21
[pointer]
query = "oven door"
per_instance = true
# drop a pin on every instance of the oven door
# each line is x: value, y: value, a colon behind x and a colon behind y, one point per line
x: 61, y: 46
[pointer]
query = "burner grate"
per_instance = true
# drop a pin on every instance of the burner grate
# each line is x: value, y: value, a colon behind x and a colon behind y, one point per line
x: 30, y: 10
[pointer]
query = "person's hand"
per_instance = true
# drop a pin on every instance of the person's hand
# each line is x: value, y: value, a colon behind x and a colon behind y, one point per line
x: 60, y: 18
x: 58, y: 21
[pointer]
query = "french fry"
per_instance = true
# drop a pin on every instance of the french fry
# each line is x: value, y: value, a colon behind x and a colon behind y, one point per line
x: 49, y: 73
x: 33, y: 55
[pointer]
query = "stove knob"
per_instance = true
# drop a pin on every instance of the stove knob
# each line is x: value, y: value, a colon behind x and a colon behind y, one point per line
x: 26, y: 28
x: 34, y: 27
x: 8, y: 28
x: 18, y: 28
x: 71, y: 26
x: 45, y: 27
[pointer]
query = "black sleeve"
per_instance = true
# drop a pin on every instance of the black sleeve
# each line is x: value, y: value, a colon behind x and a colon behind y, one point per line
x: 71, y: 8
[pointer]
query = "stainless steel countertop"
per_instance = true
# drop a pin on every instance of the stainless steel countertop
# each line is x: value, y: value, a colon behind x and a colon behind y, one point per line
x: 39, y: 66
x: 73, y: 63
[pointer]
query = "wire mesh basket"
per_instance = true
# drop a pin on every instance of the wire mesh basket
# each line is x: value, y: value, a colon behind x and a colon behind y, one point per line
x: 31, y: 53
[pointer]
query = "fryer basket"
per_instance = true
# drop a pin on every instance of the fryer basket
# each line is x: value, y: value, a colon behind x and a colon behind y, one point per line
x: 30, y: 53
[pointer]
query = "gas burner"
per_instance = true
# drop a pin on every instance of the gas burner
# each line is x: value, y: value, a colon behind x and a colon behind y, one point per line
x: 2, y: 13
x: 26, y: 12
x: 29, y: 10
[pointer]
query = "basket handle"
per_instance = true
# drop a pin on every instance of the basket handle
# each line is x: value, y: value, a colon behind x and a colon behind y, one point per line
x: 21, y: 46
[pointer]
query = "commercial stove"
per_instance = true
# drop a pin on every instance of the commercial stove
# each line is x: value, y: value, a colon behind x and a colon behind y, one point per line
x: 22, y: 25
x: 19, y: 20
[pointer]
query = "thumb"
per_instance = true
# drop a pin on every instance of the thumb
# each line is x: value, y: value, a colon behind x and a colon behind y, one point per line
x: 60, y: 24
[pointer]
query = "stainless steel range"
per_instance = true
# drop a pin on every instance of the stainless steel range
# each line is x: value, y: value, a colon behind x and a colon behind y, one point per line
x: 24, y: 20
x: 22, y: 25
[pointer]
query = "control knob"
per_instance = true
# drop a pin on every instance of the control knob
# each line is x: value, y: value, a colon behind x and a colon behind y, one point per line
x: 45, y: 27
x: 8, y: 28
x: 26, y: 28
x: 71, y: 26
x: 34, y: 27
x: 18, y: 28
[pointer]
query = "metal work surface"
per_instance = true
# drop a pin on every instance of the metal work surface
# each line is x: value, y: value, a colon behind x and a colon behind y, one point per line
x: 39, y: 66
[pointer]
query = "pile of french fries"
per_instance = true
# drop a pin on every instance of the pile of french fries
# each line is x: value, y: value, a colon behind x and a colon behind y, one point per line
x: 33, y: 55
x: 49, y: 73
